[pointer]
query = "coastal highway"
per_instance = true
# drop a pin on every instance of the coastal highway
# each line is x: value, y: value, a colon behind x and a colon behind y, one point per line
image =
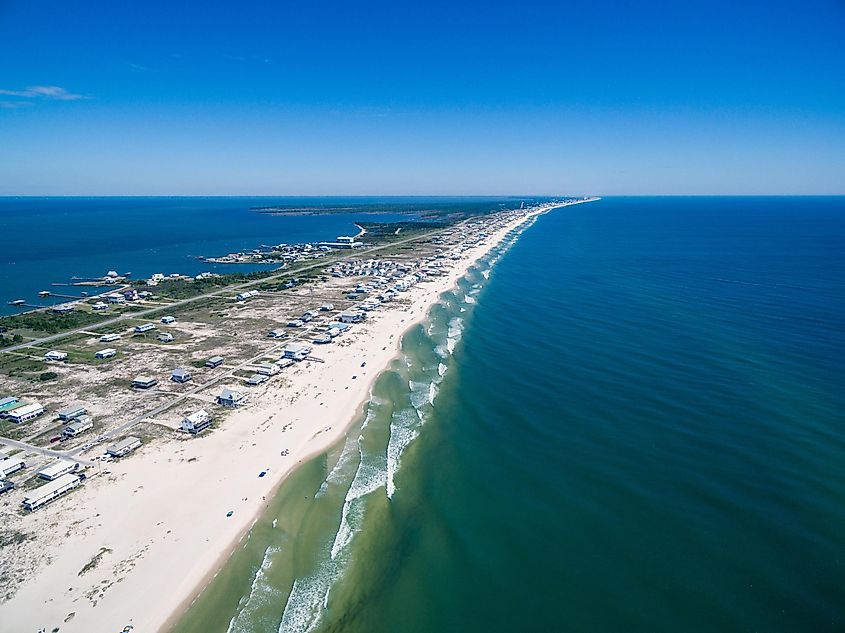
x: 217, y: 293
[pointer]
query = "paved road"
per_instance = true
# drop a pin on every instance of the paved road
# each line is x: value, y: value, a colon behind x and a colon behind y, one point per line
x: 43, y: 451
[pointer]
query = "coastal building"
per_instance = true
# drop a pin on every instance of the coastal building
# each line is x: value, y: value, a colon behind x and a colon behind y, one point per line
x: 99, y: 305
x: 7, y: 402
x: 165, y: 337
x: 123, y: 447
x: 6, y: 485
x: 106, y: 353
x: 245, y: 296
x: 351, y: 317
x: 25, y: 413
x: 130, y: 295
x: 64, y: 308
x: 167, y: 320
x: 196, y: 422
x: 57, y: 469
x: 267, y: 369
x: 72, y: 412
x: 296, y: 351
x: 257, y: 379
x: 277, y: 334
x: 296, y: 323
x: 109, y: 338
x: 343, y: 241
x: 214, y: 361
x: 46, y: 493
x: 146, y: 327
x: 11, y: 465
x: 231, y: 398
x: 322, y: 339
x: 338, y: 325
x: 326, y: 307
x: 284, y: 362
x: 55, y: 355
x: 80, y: 425
x: 180, y: 375
x: 116, y: 299
x: 144, y: 382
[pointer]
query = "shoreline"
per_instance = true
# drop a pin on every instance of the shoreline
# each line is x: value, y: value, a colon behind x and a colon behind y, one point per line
x: 154, y: 534
x: 358, y: 413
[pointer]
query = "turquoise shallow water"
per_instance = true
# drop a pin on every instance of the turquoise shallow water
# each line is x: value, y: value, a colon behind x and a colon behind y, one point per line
x: 633, y: 421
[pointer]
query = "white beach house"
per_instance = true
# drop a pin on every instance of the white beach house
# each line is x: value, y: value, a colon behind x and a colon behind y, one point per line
x: 123, y: 447
x: 57, y: 469
x: 231, y: 398
x: 46, y: 493
x: 25, y: 413
x: 196, y: 422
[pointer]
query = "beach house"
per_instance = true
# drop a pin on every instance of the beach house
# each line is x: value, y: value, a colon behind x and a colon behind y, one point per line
x: 214, y: 361
x: 25, y: 413
x: 123, y: 447
x: 351, y: 317
x: 167, y: 320
x: 180, y: 375
x: 146, y: 327
x: 296, y: 351
x: 231, y: 398
x: 165, y: 337
x: 72, y: 412
x: 11, y: 465
x: 80, y: 425
x: 245, y: 296
x: 196, y: 422
x: 57, y: 469
x: 277, y: 334
x: 106, y: 353
x: 48, y: 492
x: 55, y: 356
x: 109, y: 338
x: 144, y: 382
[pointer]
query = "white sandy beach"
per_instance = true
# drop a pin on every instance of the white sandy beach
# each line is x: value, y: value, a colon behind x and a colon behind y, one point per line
x: 159, y: 518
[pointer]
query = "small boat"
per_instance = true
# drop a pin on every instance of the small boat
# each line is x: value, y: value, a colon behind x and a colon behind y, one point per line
x: 17, y: 302
x: 230, y: 513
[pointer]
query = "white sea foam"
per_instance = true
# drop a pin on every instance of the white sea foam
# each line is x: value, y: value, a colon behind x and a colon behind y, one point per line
x: 368, y: 478
x: 432, y: 393
x: 486, y: 274
x: 302, y: 612
x: 454, y: 333
x: 441, y: 369
x: 403, y: 431
x: 260, y: 594
x: 469, y: 300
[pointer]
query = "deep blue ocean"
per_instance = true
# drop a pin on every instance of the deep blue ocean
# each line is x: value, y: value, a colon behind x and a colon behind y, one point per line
x: 631, y: 419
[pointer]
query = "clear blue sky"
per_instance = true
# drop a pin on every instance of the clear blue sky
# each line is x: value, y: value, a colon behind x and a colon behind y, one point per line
x: 359, y: 97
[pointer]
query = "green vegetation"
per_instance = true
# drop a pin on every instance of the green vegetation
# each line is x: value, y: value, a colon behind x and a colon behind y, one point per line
x: 49, y: 322
x: 91, y: 564
x: 47, y: 375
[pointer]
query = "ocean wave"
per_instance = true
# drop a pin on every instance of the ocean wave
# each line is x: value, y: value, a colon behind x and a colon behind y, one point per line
x: 441, y: 369
x: 260, y: 594
x: 368, y: 478
x: 403, y: 431
x: 302, y: 612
